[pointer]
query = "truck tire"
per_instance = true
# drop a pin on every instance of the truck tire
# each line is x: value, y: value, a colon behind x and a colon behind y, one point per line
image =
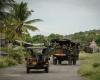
x: 47, y: 70
x: 27, y: 70
x: 55, y: 61
x: 59, y: 61
x: 74, y: 61
x: 69, y: 60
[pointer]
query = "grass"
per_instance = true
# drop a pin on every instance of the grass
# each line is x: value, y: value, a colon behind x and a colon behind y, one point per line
x: 14, y: 57
x: 90, y: 66
x: 7, y: 61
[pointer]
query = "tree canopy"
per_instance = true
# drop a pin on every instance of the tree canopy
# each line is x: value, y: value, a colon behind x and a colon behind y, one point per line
x: 17, y: 23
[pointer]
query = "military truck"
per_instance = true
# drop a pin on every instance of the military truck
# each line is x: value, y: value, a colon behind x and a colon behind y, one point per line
x: 37, y: 59
x: 64, y: 50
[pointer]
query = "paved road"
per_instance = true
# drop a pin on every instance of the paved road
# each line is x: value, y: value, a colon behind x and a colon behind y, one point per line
x: 57, y: 72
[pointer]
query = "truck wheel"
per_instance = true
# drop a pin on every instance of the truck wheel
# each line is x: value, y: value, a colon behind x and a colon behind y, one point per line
x: 59, y: 61
x: 74, y: 61
x: 69, y: 62
x: 47, y: 70
x: 28, y: 70
x: 54, y: 61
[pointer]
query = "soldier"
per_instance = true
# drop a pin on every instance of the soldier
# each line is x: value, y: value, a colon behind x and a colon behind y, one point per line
x: 70, y: 54
x: 77, y: 50
x: 74, y: 51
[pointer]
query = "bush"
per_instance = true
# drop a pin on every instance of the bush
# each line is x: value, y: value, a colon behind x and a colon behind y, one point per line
x: 3, y: 63
x: 96, y: 64
x: 10, y: 61
x: 14, y: 56
x: 18, y: 55
x: 7, y: 61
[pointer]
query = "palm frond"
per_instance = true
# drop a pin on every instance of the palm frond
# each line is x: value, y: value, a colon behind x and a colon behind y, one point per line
x: 30, y: 27
x: 20, y: 11
x: 24, y: 29
x: 33, y: 21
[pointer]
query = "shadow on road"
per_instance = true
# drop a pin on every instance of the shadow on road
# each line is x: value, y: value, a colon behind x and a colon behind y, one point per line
x: 31, y: 72
x: 64, y: 64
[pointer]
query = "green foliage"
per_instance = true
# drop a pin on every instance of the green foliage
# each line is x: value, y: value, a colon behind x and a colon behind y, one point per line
x: 18, y: 55
x: 85, y: 37
x: 55, y: 36
x: 38, y: 39
x: 96, y: 76
x: 16, y: 24
x: 3, y: 63
x: 21, y: 13
x: 90, y: 66
x: 84, y: 56
x: 98, y: 39
x: 27, y: 38
x: 86, y: 70
x: 96, y: 64
x: 10, y: 61
x: 7, y: 61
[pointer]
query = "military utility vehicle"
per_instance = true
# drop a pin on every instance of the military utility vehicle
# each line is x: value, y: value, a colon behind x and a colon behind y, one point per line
x: 64, y: 50
x: 37, y: 59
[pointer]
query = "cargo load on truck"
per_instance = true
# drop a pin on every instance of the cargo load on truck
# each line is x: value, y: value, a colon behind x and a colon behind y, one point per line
x: 64, y: 50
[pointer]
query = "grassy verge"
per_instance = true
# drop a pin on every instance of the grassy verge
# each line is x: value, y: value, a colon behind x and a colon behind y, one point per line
x: 7, y: 61
x: 14, y: 57
x: 90, y: 66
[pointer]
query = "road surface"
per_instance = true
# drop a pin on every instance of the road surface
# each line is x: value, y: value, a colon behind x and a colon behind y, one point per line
x: 57, y: 72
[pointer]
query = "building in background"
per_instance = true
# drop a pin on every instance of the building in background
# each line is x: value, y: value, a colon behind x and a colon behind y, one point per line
x: 94, y: 46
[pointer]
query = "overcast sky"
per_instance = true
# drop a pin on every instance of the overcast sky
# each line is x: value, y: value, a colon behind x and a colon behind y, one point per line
x: 65, y: 16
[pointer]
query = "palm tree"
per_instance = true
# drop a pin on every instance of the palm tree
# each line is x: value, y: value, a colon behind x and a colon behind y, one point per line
x: 16, y: 23
x: 21, y: 13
